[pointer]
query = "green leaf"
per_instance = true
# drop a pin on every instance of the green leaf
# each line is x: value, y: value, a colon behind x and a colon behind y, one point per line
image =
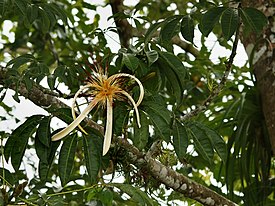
x: 159, y: 116
x: 32, y: 13
x: 16, y: 144
x: 180, y: 139
x: 141, y: 135
x: 253, y: 19
x: 152, y: 56
x: 45, y: 21
x: 152, y: 30
x: 229, y: 22
x: 187, y: 28
x: 209, y: 19
x: 130, y: 61
x: 202, y: 143
x: 58, y: 11
x: 4, y: 4
x: 19, y: 61
x: 21, y: 5
x: 137, y: 195
x: 43, y: 131
x: 170, y: 29
x: 66, y: 158
x: 92, y: 145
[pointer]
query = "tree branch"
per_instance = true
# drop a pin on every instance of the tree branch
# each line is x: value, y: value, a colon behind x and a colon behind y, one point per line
x: 158, y: 171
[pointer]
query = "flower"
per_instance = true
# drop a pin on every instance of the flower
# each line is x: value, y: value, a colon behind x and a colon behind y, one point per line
x: 103, y: 90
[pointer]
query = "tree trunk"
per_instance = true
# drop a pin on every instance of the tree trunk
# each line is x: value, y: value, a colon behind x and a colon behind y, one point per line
x: 264, y: 63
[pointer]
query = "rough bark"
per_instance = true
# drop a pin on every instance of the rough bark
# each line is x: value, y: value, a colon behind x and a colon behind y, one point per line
x: 264, y: 62
x: 123, y: 27
x: 180, y: 183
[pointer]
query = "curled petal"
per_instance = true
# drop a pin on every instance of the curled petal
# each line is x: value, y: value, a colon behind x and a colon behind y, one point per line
x: 109, y: 127
x: 75, y: 123
x: 141, y: 88
x: 73, y: 105
x: 135, y: 106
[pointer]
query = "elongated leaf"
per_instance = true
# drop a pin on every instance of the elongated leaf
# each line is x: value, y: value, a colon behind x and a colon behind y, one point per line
x: 21, y: 5
x: 180, y: 139
x: 130, y: 61
x: 92, y: 145
x: 201, y: 142
x: 209, y: 19
x: 253, y: 19
x: 229, y: 22
x: 173, y: 81
x: 216, y: 141
x: 19, y: 61
x: 66, y: 158
x: 136, y: 194
x: 170, y: 28
x: 58, y: 11
x: 4, y: 4
x: 43, y: 131
x: 141, y: 134
x: 152, y: 29
x: 16, y: 144
x: 45, y: 21
x: 160, y: 118
x: 175, y: 63
x: 187, y: 28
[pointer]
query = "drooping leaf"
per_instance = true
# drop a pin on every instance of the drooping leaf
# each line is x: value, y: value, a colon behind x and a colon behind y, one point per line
x: 187, y: 28
x: 136, y: 194
x: 16, y: 144
x: 201, y: 142
x: 92, y: 145
x: 43, y: 131
x: 229, y: 22
x: 253, y: 19
x: 180, y: 139
x: 170, y: 28
x: 21, y: 60
x: 66, y: 158
x: 45, y: 21
x: 130, y: 61
x: 141, y: 135
x: 159, y: 116
x: 209, y: 20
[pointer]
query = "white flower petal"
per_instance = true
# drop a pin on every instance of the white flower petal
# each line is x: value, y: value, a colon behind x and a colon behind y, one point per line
x: 141, y: 88
x: 73, y: 105
x: 109, y: 127
x: 75, y: 123
x: 135, y: 106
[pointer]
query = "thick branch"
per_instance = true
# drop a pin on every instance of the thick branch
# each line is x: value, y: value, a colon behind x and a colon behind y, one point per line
x: 162, y: 173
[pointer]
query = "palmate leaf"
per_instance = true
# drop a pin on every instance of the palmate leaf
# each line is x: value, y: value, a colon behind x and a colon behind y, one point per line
x: 66, y: 158
x: 92, y: 145
x: 16, y: 144
x: 229, y: 22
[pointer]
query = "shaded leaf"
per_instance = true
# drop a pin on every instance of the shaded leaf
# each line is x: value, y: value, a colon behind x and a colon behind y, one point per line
x: 17, y: 142
x: 187, y: 28
x: 92, y: 145
x: 209, y: 19
x: 66, y: 158
x: 130, y: 61
x: 180, y: 139
x: 152, y: 30
x: 229, y: 22
x: 170, y: 28
x: 141, y: 135
x: 136, y: 194
x: 253, y: 19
